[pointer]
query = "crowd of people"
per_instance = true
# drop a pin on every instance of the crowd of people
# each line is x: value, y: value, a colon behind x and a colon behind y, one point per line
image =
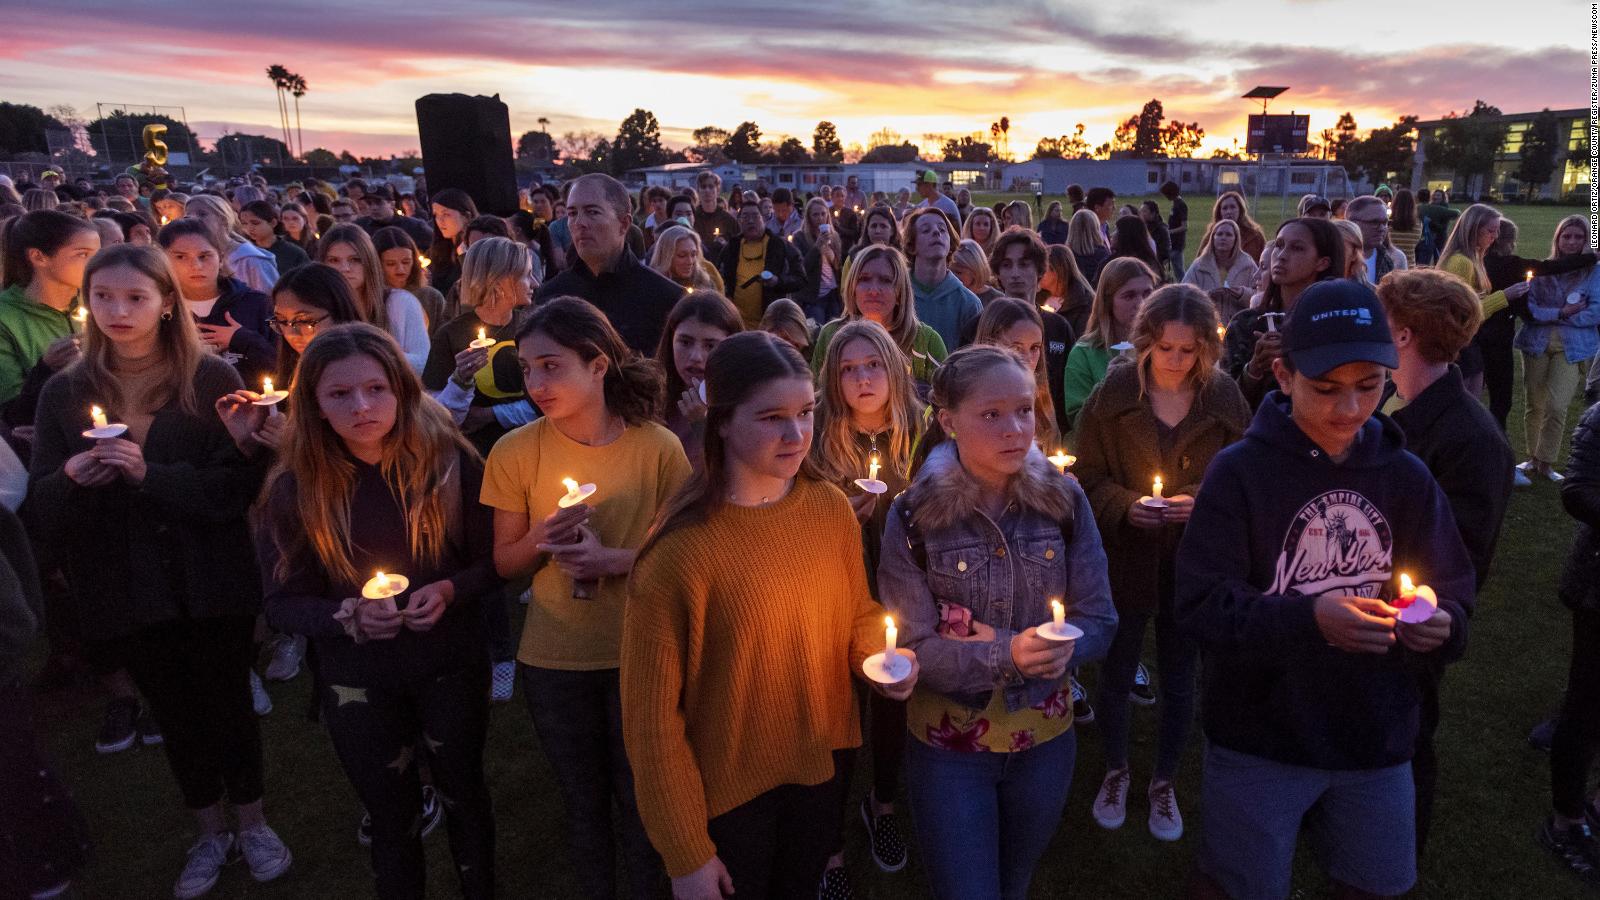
x: 250, y: 430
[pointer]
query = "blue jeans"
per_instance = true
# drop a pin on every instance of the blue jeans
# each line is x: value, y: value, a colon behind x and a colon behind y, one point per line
x: 1175, y: 664
x: 984, y: 819
x: 1361, y: 824
x: 1177, y: 264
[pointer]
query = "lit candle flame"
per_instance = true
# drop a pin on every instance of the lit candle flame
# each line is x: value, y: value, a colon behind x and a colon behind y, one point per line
x: 1222, y: 332
x: 1406, y: 585
x: 165, y: 220
x: 98, y: 415
x: 1529, y: 276
x: 1061, y: 459
x: 81, y: 314
x: 890, y: 635
x: 423, y: 261
x: 382, y: 580
x: 483, y: 334
x: 1155, y: 489
x: 872, y: 468
x: 1058, y: 613
x: 266, y: 386
x: 571, y: 486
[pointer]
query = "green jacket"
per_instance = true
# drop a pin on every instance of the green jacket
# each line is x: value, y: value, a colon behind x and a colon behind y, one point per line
x: 1086, y: 368
x: 27, y: 329
x: 927, y: 351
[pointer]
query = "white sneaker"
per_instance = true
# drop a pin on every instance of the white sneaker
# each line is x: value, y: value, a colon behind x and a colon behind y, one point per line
x: 258, y: 695
x: 1111, y: 804
x: 1166, y: 823
x: 1519, y: 478
x: 204, y: 867
x: 265, y: 853
x: 1555, y: 476
x: 1525, y: 466
x: 286, y: 652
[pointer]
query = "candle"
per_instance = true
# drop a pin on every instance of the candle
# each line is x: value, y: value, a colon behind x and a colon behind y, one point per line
x: 1408, y: 591
x: 423, y: 261
x: 570, y: 484
x: 1222, y: 332
x: 1528, y: 276
x: 1058, y: 613
x: 872, y: 468
x: 382, y: 581
x: 1155, y: 489
x: 890, y: 633
x: 716, y: 232
x: 382, y: 586
x: 1062, y: 459
x: 164, y: 220
x: 266, y: 388
x: 98, y: 416
x: 80, y: 315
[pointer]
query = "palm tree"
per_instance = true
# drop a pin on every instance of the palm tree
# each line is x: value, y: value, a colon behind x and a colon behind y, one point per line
x: 544, y: 126
x: 297, y: 86
x: 280, y: 80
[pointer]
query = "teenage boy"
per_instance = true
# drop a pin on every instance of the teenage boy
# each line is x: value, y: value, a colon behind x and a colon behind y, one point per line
x: 1285, y: 576
x: 1432, y: 316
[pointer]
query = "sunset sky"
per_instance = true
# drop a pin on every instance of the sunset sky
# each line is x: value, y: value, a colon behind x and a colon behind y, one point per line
x: 915, y: 66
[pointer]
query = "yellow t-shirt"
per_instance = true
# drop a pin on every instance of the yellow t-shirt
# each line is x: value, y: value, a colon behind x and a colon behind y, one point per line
x: 940, y: 722
x: 752, y: 261
x: 634, y: 476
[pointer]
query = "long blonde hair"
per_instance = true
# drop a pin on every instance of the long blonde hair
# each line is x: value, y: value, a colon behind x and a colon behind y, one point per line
x: 667, y: 244
x: 1180, y: 304
x: 982, y: 212
x: 219, y: 216
x: 1563, y: 225
x: 1001, y: 315
x: 1021, y: 214
x: 1211, y: 232
x: 1084, y: 236
x: 371, y: 299
x: 1463, y: 240
x: 1102, y: 316
x: 488, y: 262
x: 177, y: 339
x: 903, y: 325
x: 420, y: 461
x: 834, y: 450
x: 972, y: 256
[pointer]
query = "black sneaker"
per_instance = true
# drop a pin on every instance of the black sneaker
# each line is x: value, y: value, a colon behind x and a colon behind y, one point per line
x: 883, y: 837
x: 1082, y: 712
x: 1543, y: 735
x: 149, y: 731
x: 1574, y: 845
x: 1142, y: 693
x: 116, y: 729
x: 835, y: 885
x: 364, y: 830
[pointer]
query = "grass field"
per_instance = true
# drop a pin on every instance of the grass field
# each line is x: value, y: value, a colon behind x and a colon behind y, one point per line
x: 1493, y: 787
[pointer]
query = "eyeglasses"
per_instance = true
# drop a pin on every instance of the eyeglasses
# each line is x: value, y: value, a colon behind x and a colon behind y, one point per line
x: 296, y: 327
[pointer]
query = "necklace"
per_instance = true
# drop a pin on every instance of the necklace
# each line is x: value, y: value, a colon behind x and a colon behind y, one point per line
x: 732, y: 498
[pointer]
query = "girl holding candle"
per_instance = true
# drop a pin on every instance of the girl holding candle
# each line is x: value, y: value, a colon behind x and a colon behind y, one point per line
x: 988, y: 533
x: 486, y: 399
x: 878, y: 289
x: 350, y: 252
x: 181, y: 594
x: 1014, y: 324
x: 375, y: 477
x: 403, y: 271
x: 45, y: 254
x: 230, y: 316
x: 1123, y: 286
x: 1462, y: 255
x: 1170, y: 412
x: 600, y: 402
x: 677, y: 255
x: 1556, y: 344
x: 738, y: 700
x: 695, y: 326
x: 868, y: 417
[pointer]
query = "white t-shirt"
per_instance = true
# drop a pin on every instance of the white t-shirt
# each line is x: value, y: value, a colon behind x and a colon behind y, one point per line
x: 202, y: 308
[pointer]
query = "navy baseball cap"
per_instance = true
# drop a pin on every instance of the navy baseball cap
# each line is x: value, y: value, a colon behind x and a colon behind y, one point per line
x: 1337, y: 322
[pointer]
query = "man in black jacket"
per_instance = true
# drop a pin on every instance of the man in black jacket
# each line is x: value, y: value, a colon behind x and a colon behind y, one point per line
x: 1432, y: 316
x: 633, y: 296
x: 758, y: 268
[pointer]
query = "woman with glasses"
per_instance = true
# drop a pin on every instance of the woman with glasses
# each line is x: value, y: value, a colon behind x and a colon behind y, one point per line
x: 312, y: 298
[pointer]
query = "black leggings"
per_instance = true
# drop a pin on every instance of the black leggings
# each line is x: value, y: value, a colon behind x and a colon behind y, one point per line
x: 1499, y: 363
x: 1577, y: 736
x: 195, y: 676
x: 374, y: 730
x: 778, y: 844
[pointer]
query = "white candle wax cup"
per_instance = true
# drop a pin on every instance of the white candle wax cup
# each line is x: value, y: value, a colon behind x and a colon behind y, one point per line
x: 871, y: 484
x: 1155, y: 500
x: 1062, y: 460
x: 102, y: 429
x: 1058, y: 628
x: 270, y: 398
x: 700, y: 387
x: 1272, y: 321
x: 888, y: 667
x: 382, y: 587
x: 483, y: 340
x: 1416, y: 603
x: 576, y: 493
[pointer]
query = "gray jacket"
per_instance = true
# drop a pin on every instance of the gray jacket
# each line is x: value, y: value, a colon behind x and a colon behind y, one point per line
x: 1005, y: 572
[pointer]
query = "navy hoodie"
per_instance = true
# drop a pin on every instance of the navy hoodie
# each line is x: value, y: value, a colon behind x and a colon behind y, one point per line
x: 1275, y: 525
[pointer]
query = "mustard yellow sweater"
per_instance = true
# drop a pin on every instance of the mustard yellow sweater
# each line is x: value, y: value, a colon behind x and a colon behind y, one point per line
x: 1461, y: 267
x: 739, y: 640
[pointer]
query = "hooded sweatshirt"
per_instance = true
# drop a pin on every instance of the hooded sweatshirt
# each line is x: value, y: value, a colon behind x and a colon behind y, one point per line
x: 947, y: 307
x: 1276, y: 524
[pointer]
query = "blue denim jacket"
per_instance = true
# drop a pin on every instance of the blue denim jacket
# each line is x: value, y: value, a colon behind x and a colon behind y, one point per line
x: 1006, y: 572
x: 1548, y: 293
